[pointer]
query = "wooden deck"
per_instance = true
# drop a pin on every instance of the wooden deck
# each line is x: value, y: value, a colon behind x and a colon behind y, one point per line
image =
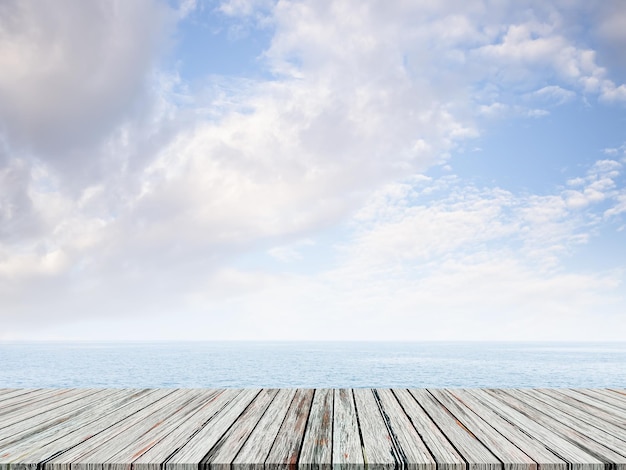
x: 188, y: 429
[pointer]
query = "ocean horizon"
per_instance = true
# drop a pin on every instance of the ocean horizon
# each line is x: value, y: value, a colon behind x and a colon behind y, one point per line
x: 315, y: 364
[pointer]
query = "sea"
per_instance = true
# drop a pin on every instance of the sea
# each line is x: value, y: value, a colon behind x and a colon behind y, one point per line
x: 312, y: 364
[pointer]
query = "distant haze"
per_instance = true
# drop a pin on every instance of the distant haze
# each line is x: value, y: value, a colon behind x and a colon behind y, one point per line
x: 312, y: 170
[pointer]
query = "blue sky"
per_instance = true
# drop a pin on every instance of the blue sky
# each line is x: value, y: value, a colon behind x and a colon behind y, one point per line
x: 304, y: 170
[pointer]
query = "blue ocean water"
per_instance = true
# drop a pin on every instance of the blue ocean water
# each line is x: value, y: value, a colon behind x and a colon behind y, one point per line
x: 313, y: 364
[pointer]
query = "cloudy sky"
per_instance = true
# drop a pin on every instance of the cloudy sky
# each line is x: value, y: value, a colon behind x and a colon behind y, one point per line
x: 312, y: 169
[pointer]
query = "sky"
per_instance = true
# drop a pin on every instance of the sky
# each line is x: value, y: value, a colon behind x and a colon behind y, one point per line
x: 313, y: 170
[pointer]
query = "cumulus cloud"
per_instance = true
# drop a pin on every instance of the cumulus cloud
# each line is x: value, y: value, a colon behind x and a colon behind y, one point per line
x: 71, y: 71
x: 119, y: 196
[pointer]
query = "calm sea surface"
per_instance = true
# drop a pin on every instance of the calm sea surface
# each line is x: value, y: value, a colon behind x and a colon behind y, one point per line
x: 315, y: 364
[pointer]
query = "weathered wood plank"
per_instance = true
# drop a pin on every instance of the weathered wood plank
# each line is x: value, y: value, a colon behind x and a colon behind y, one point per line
x: 193, y: 452
x: 82, y: 429
x: 347, y: 450
x: 510, y: 455
x: 141, y: 441
x: 226, y: 449
x: 444, y: 453
x: 214, y: 401
x: 574, y: 416
x: 89, y: 454
x: 317, y: 450
x: 601, y: 452
x: 378, y: 447
x: 527, y: 443
x: 52, y: 418
x: 590, y: 410
x: 574, y: 455
x: 582, y: 428
x: 12, y: 393
x: 619, y: 398
x: 605, y: 397
x: 256, y: 449
x: 286, y: 447
x: 412, y: 451
x: 30, y: 453
x: 45, y: 409
x: 591, y: 401
x: 472, y: 450
x: 31, y: 402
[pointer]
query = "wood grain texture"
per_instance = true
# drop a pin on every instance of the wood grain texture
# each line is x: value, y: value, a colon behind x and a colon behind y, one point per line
x: 39, y: 449
x: 472, y: 450
x: 565, y: 401
x: 256, y: 449
x: 412, y: 451
x: 379, y: 450
x: 541, y: 417
x: 577, y: 458
x: 596, y: 403
x: 527, y: 443
x: 602, y: 396
x: 37, y: 424
x: 270, y: 429
x: 598, y: 442
x: 212, y: 401
x: 191, y: 454
x: 573, y: 416
x: 508, y: 453
x: 225, y: 450
x: 347, y: 450
x: 286, y: 447
x: 317, y: 450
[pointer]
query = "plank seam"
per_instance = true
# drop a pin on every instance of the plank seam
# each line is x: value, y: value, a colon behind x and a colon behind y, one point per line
x: 467, y: 465
x: 358, y: 426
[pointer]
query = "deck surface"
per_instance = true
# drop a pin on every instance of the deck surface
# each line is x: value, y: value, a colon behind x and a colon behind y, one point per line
x: 189, y: 429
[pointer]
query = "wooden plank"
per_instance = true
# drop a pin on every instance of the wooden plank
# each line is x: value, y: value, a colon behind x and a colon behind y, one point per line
x: 47, y: 408
x: 511, y: 456
x: 444, y: 453
x: 347, y: 450
x: 52, y: 418
x: 257, y: 447
x: 13, y: 393
x: 615, y: 395
x: 412, y: 451
x: 562, y: 398
x: 527, y: 443
x: 591, y: 401
x: 226, y: 449
x: 85, y: 454
x: 141, y: 441
x: 599, y: 451
x: 472, y: 450
x: 576, y: 417
x: 605, y: 397
x: 191, y: 454
x: 317, y: 449
x: 577, y: 458
x: 32, y: 401
x: 378, y: 448
x: 214, y: 401
x: 601, y: 436
x: 32, y: 452
x: 28, y: 442
x: 286, y: 447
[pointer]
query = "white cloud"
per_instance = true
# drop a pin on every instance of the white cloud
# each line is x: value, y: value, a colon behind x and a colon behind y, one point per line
x: 71, y: 71
x: 124, y: 193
